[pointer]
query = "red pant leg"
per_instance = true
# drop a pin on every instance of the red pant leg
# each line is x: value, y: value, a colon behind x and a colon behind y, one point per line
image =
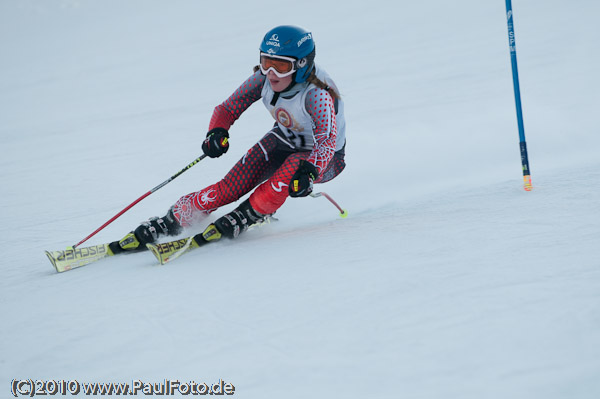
x: 271, y: 195
x: 254, y: 167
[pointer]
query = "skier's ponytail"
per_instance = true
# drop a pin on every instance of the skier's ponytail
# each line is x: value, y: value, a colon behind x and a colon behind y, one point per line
x: 322, y: 85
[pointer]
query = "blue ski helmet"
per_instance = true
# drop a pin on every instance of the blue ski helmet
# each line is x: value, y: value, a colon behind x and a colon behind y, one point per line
x: 292, y: 41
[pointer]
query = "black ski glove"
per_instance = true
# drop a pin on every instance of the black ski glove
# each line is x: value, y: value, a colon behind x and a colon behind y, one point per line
x: 302, y: 181
x: 216, y: 142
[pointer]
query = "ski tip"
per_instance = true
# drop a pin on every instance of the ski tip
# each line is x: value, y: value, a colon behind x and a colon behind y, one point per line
x: 154, y: 249
x: 52, y: 260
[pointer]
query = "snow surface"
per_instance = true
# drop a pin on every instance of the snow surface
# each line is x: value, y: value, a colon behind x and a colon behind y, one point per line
x: 447, y: 280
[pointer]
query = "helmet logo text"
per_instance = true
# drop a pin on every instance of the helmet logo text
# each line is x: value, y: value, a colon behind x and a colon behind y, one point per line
x: 306, y: 37
x: 273, y: 41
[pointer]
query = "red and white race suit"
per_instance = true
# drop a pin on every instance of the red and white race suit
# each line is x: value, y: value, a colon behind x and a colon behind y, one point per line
x: 309, y: 125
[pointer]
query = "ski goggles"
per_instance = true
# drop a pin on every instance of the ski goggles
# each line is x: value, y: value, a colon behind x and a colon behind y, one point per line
x: 282, y: 66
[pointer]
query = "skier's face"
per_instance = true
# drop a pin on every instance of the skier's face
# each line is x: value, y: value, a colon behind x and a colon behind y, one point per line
x: 278, y: 84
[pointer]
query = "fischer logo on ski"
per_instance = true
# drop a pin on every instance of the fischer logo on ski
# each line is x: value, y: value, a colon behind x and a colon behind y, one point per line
x: 74, y: 258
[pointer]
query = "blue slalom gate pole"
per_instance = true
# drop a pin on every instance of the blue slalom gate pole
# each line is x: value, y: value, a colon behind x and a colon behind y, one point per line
x: 515, y: 73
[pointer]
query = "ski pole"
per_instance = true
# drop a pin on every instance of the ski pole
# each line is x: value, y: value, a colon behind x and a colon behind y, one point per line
x: 343, y: 212
x: 515, y: 73
x: 161, y: 185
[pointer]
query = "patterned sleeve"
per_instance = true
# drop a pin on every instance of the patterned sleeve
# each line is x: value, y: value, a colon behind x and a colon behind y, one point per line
x: 320, y: 106
x: 230, y: 110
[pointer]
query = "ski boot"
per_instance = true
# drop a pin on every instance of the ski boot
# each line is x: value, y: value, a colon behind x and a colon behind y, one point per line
x: 147, y: 233
x: 232, y: 224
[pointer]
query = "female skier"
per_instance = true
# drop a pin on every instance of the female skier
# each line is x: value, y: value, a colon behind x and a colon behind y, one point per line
x: 305, y: 146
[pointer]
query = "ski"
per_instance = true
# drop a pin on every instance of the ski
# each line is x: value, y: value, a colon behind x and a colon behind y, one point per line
x: 70, y: 259
x: 172, y: 250
x: 169, y: 251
